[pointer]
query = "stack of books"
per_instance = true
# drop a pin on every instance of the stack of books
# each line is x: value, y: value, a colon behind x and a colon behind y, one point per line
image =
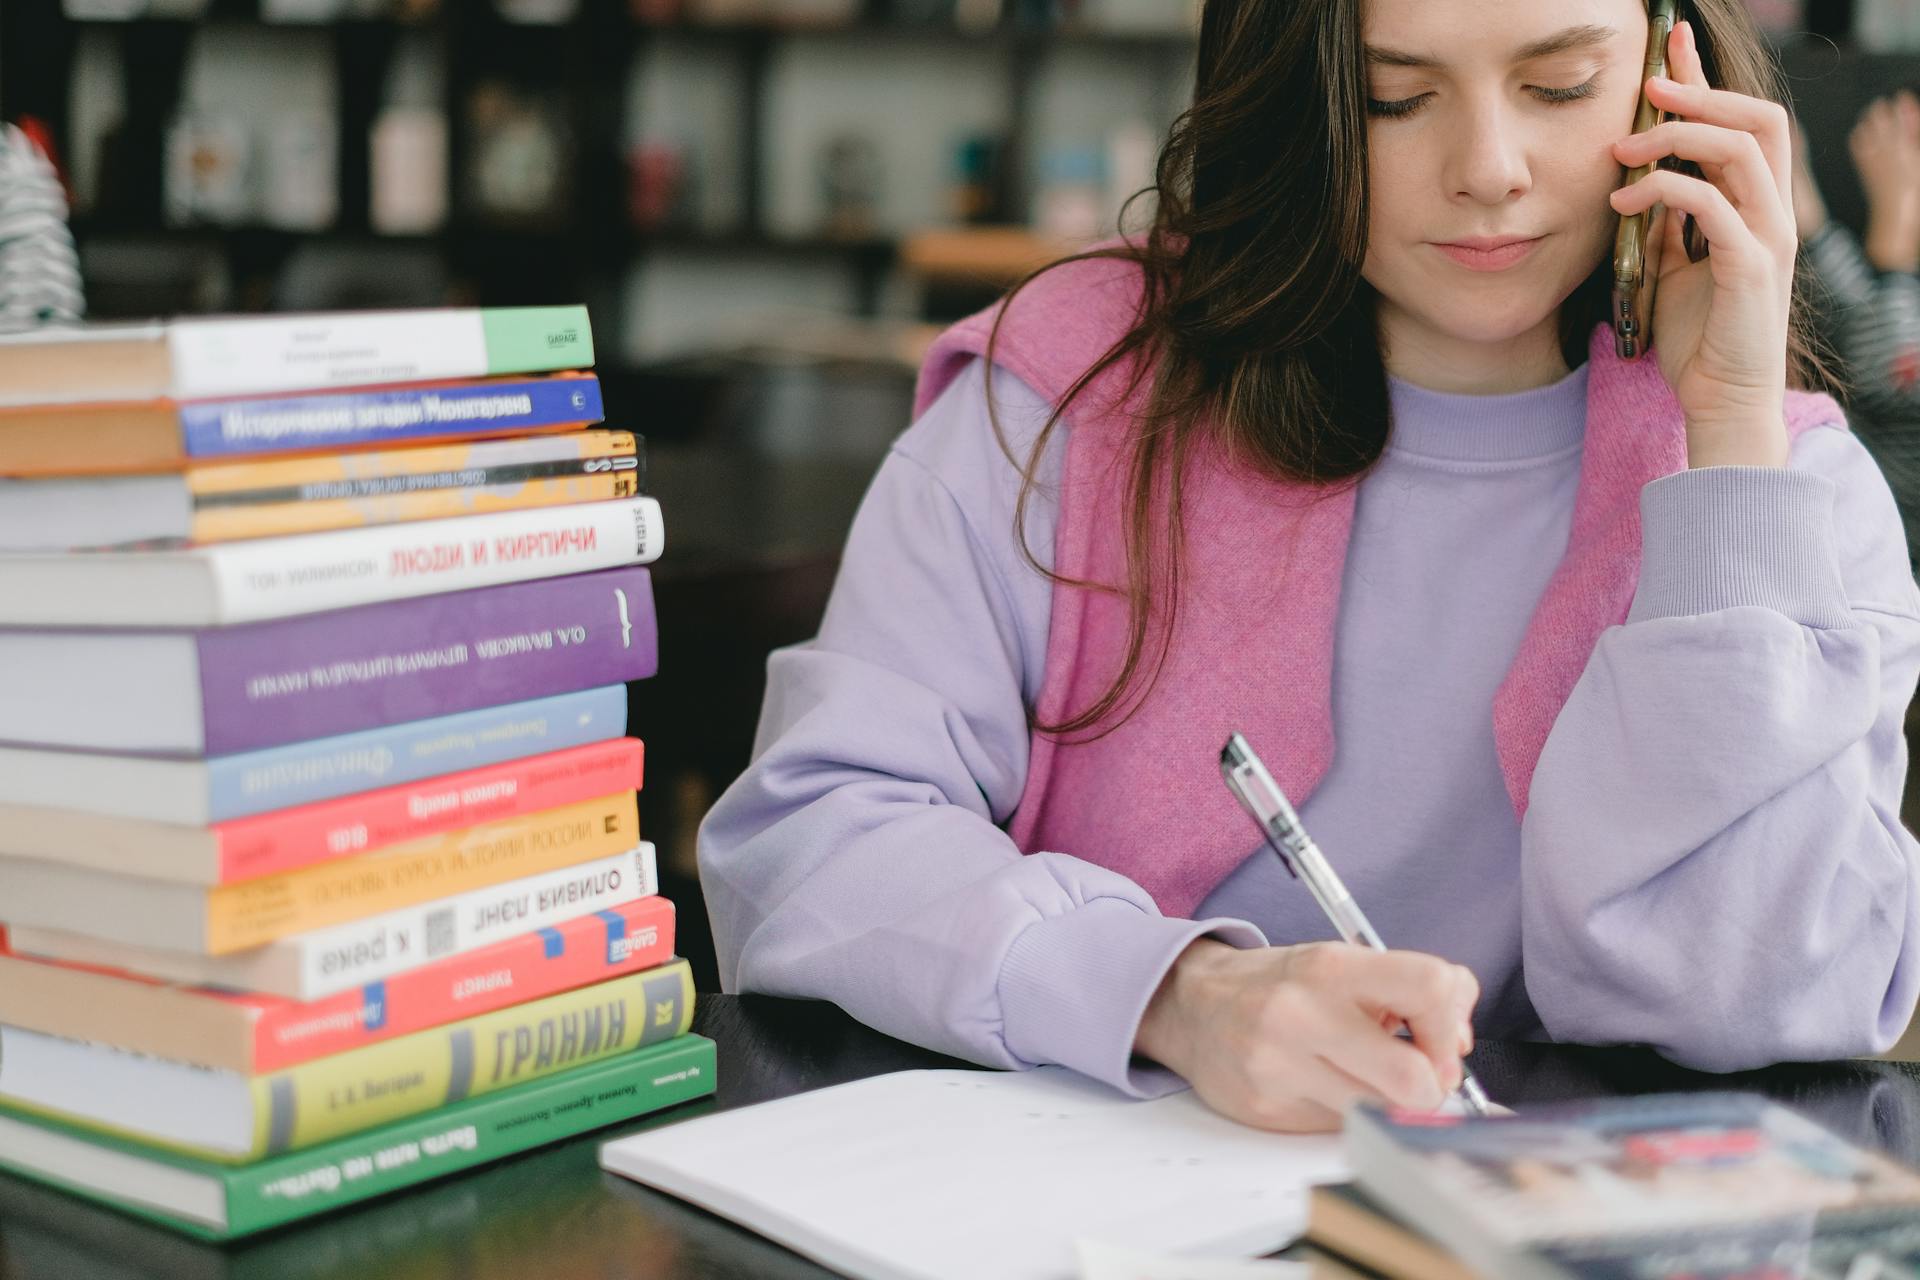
x: 1698, y: 1186
x: 320, y: 863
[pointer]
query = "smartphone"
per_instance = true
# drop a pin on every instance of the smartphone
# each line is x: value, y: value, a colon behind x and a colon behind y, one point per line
x: 1636, y: 245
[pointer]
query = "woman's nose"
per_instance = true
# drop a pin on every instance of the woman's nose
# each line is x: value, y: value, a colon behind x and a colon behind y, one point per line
x: 1488, y: 157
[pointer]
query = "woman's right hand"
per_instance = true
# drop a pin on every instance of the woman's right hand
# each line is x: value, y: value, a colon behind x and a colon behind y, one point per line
x: 1284, y: 1038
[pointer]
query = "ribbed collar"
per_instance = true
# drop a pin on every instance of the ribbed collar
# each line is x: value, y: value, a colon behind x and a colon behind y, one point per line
x: 1510, y: 427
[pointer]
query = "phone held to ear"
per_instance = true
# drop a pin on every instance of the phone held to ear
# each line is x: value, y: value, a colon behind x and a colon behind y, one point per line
x: 1636, y: 245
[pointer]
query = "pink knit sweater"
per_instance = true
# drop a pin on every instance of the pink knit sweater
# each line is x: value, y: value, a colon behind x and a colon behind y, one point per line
x: 1253, y: 643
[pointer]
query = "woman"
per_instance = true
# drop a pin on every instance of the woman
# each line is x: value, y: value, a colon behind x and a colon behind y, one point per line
x: 1587, y: 674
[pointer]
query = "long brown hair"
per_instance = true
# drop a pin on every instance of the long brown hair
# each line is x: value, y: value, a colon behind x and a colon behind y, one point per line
x: 1255, y: 330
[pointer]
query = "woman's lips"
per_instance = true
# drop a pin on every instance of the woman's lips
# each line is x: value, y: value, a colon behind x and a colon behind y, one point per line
x: 1489, y: 259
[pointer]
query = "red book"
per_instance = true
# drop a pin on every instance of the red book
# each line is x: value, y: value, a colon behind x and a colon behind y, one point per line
x: 269, y: 844
x: 256, y: 1034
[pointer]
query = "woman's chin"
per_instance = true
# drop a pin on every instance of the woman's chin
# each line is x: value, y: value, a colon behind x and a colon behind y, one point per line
x: 1486, y: 322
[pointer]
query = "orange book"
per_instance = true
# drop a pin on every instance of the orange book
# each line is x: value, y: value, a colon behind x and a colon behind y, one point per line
x: 286, y: 840
x: 123, y: 437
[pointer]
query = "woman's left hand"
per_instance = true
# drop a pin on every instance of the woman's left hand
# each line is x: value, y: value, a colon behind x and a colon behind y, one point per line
x: 1720, y: 324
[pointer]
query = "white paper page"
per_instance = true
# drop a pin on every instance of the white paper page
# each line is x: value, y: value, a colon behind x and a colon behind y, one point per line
x: 924, y: 1175
x: 1100, y: 1261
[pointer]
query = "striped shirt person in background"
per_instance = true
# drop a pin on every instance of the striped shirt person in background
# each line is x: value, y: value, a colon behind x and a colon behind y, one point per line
x: 1870, y: 291
x: 39, y: 271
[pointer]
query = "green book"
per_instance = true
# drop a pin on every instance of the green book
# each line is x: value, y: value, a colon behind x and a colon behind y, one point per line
x: 221, y: 1201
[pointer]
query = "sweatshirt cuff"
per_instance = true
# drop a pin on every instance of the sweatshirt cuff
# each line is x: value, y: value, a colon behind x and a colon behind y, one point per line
x: 1073, y: 988
x: 1716, y: 538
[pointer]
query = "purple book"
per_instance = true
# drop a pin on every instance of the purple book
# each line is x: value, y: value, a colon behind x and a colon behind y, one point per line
x: 289, y: 680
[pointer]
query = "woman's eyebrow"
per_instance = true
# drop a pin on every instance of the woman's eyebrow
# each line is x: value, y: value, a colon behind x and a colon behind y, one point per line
x: 1580, y: 37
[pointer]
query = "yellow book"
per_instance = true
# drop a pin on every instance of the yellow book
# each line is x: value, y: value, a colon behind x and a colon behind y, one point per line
x: 228, y: 1116
x: 226, y: 501
x: 272, y: 520
x: 225, y: 918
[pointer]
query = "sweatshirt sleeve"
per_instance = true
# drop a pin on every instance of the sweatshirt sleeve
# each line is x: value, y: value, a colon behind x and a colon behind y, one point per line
x: 861, y: 858
x: 1712, y: 860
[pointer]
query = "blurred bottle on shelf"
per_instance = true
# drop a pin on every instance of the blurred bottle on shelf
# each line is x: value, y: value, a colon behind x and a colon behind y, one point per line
x: 407, y: 185
x: 208, y: 176
x: 1071, y: 203
x: 519, y: 157
x: 1132, y: 153
x: 979, y: 179
x: 299, y: 168
x: 851, y: 176
x: 659, y: 185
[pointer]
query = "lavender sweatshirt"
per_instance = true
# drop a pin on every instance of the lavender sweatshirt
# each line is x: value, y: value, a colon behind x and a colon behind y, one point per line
x: 1711, y: 862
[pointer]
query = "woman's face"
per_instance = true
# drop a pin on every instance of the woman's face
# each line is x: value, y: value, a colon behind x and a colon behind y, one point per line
x: 1491, y: 122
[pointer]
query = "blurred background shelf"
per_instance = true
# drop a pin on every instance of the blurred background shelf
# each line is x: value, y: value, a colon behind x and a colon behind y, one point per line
x: 651, y: 159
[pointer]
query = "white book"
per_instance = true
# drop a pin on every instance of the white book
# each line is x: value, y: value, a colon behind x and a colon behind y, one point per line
x: 905, y: 1176
x: 204, y: 358
x: 324, y: 962
x: 315, y: 572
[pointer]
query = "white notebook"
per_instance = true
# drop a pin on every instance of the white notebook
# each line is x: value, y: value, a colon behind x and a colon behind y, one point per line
x: 923, y: 1175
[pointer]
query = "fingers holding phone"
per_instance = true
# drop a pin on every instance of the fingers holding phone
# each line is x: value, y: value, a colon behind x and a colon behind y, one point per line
x: 1721, y: 322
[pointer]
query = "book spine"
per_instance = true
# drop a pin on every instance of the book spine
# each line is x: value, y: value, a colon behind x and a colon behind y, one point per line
x: 276, y: 843
x: 314, y: 677
x: 255, y: 912
x: 239, y: 522
x: 325, y: 962
x: 358, y: 475
x: 305, y: 772
x: 583, y: 950
x: 280, y: 577
x: 232, y: 357
x: 342, y: 420
x: 332, y: 961
x: 332, y: 1097
x: 284, y: 1190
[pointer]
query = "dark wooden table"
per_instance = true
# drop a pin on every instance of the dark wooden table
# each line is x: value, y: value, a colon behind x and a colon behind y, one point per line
x: 552, y: 1215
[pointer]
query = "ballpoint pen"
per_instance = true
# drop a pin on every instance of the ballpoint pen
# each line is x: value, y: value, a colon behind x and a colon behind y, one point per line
x: 1261, y: 796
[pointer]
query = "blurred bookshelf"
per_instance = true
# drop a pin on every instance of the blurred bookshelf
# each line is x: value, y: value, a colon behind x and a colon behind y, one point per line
x: 661, y: 160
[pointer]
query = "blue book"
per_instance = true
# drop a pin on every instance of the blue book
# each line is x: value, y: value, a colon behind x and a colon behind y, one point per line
x: 356, y: 419
x: 199, y: 792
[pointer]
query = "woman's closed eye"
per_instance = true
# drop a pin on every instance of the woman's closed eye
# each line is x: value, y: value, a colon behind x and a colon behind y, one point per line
x: 1545, y: 93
